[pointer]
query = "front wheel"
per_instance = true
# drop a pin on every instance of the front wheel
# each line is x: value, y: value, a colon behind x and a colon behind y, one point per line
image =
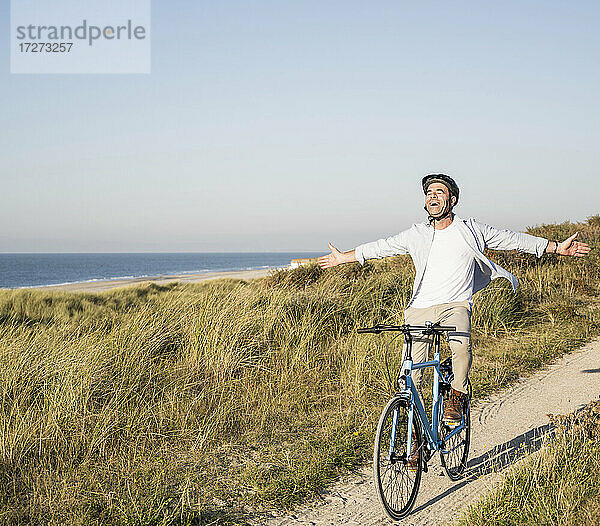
x: 396, y: 481
x: 455, y: 451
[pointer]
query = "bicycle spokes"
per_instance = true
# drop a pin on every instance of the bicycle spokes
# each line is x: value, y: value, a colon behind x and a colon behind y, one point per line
x: 456, y: 442
x: 397, y: 470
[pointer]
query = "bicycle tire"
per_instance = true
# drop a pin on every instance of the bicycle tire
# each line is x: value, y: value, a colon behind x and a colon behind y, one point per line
x: 455, y: 452
x: 396, y: 485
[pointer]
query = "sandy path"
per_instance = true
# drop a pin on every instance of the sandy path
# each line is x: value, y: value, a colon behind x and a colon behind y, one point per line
x: 500, y: 425
x: 99, y: 286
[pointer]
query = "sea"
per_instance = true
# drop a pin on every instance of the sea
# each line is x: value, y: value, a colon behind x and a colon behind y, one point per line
x: 39, y: 270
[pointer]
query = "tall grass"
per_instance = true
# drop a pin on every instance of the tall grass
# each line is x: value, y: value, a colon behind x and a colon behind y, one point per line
x: 558, y: 485
x: 197, y: 404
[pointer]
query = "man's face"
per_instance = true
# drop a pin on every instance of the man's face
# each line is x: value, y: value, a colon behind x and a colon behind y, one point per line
x: 438, y: 200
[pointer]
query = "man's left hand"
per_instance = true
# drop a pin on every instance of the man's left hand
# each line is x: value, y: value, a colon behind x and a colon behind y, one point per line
x: 570, y: 247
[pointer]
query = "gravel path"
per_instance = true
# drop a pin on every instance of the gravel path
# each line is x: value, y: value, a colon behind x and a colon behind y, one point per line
x: 504, y: 426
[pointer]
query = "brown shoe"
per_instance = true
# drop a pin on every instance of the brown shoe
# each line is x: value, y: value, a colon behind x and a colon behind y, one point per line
x: 413, y: 460
x: 453, y: 410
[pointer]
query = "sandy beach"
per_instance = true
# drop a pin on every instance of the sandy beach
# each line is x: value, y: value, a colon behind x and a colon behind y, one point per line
x: 100, y: 286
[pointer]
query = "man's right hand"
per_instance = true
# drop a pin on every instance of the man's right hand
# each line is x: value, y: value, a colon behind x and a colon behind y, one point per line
x: 336, y: 257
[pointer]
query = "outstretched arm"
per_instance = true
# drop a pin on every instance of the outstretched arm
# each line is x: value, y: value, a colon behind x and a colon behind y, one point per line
x: 508, y: 240
x: 569, y: 247
x: 336, y: 257
x: 382, y: 248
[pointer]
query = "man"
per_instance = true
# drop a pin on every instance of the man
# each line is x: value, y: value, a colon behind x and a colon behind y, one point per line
x: 450, y: 267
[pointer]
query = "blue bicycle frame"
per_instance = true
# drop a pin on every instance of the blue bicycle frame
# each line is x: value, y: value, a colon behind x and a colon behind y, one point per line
x: 411, y: 395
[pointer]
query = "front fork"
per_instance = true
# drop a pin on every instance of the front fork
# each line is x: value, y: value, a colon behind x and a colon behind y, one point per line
x: 406, y: 395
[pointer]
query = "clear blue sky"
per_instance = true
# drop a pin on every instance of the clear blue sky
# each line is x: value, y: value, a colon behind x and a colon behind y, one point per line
x: 283, y: 125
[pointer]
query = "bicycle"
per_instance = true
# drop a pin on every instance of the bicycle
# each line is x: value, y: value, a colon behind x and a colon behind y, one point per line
x: 404, y: 420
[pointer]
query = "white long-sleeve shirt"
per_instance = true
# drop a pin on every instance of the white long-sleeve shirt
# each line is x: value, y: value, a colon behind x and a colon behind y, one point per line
x: 418, y: 239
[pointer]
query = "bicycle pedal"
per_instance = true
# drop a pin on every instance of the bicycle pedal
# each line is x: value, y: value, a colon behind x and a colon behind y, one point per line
x: 452, y: 423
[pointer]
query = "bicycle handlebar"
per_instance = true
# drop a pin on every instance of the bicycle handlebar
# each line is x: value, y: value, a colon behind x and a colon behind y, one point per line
x: 431, y: 328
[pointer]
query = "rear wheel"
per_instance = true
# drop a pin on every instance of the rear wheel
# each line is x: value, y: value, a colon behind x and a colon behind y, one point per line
x: 396, y: 483
x: 455, y: 452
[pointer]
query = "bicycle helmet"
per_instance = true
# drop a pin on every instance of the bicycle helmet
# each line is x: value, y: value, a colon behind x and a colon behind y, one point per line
x: 445, y: 180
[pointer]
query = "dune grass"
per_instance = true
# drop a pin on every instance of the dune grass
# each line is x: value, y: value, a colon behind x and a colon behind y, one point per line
x: 558, y: 485
x: 203, y: 404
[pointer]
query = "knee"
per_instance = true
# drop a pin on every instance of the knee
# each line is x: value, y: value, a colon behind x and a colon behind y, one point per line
x: 460, y: 346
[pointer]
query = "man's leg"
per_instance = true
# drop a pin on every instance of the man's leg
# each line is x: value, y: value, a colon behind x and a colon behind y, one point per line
x: 420, y: 345
x: 459, y: 315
